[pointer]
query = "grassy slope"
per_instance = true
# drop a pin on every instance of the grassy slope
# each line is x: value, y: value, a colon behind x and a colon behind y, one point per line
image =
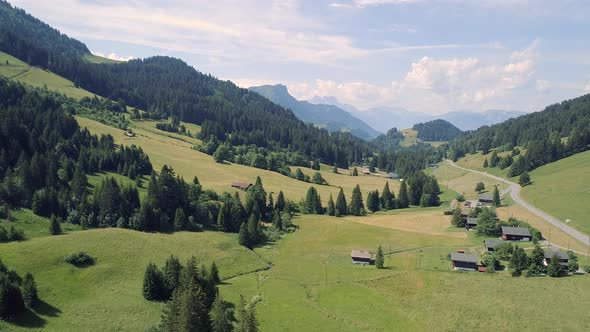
x: 107, y: 296
x: 562, y: 188
x: 33, y: 225
x: 99, y: 59
x: 410, y: 138
x: 417, y: 293
x: 37, y: 77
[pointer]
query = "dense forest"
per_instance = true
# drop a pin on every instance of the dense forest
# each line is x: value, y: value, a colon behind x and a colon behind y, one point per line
x: 558, y: 131
x: 437, y: 130
x: 166, y: 87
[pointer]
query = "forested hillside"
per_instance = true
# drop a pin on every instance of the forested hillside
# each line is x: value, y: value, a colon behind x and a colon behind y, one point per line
x: 558, y: 131
x: 436, y: 130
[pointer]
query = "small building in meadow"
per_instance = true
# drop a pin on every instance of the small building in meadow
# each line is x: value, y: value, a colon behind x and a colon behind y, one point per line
x: 393, y: 176
x: 516, y: 233
x: 244, y: 186
x: 366, y: 171
x: 433, y: 165
x: 562, y: 257
x: 361, y: 257
x: 490, y: 245
x: 485, y: 198
x: 471, y: 222
x: 464, y: 262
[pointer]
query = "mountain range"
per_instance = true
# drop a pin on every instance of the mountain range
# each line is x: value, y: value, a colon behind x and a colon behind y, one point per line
x: 324, y: 115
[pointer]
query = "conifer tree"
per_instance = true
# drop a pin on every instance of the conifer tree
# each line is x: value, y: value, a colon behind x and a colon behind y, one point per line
x: 30, y: 295
x: 54, y: 226
x: 524, y: 179
x: 243, y: 236
x: 153, y: 286
x: 485, y: 163
x: 402, y: 198
x: 214, y: 273
x: 356, y: 202
x: 171, y: 275
x: 341, y: 205
x: 496, y: 199
x: 180, y: 220
x: 280, y: 204
x: 277, y: 221
x: 313, y: 204
x: 379, y: 258
x: 335, y: 169
x: 387, y: 198
x: 331, y: 208
x: 373, y: 203
x: 355, y: 172
x: 220, y: 321
x: 554, y: 269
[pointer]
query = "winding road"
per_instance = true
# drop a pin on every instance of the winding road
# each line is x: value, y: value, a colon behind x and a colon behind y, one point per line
x: 514, y: 189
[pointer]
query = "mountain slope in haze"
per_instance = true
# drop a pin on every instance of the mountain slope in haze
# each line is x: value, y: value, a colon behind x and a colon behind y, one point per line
x: 465, y: 120
x: 329, y: 116
x: 436, y: 130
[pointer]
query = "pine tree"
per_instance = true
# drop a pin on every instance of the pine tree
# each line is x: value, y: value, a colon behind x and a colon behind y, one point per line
x: 180, y: 220
x: 518, y: 261
x: 494, y: 159
x: 402, y: 198
x: 54, y: 226
x: 554, y: 269
x: 373, y: 201
x: 496, y: 200
x: 331, y: 208
x: 379, y: 258
x: 335, y: 169
x: 253, y: 230
x: 341, y: 206
x: 524, y: 179
x: 355, y: 172
x: 153, y: 286
x: 194, y: 315
x: 280, y: 204
x: 243, y: 236
x: 214, y: 273
x: 387, y: 198
x: 313, y: 204
x: 171, y: 275
x: 220, y: 321
x: 30, y: 296
x: 479, y: 187
x: 485, y: 163
x: 356, y: 202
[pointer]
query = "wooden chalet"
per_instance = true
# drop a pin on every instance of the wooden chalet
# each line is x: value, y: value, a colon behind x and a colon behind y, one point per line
x: 516, y: 233
x: 366, y: 171
x: 393, y: 176
x: 244, y: 186
x: 362, y: 257
x: 471, y: 223
x: 562, y: 257
x: 464, y: 262
x: 490, y: 245
x: 485, y: 198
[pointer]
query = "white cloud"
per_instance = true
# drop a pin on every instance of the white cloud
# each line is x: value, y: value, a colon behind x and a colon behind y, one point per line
x: 113, y: 56
x: 543, y: 85
x: 587, y: 88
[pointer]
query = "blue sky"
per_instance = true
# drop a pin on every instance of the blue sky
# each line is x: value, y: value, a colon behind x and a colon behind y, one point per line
x: 430, y: 56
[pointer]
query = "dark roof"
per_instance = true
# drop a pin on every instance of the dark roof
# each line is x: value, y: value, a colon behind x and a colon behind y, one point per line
x: 472, y: 221
x: 485, y: 197
x: 518, y: 231
x: 361, y: 254
x: 492, y: 243
x: 393, y: 175
x: 241, y: 185
x: 560, y: 254
x: 461, y: 257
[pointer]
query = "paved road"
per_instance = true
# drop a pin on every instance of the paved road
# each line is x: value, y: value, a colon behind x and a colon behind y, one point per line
x: 514, y: 189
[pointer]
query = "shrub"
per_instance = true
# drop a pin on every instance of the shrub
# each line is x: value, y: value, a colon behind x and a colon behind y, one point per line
x: 79, y: 259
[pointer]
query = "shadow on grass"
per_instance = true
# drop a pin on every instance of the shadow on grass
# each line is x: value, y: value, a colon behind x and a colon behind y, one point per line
x: 29, y: 319
x: 46, y: 309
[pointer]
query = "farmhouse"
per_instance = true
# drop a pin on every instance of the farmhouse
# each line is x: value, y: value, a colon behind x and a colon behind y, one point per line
x: 241, y: 185
x: 485, y: 198
x: 393, y: 176
x: 516, y: 233
x: 361, y: 257
x: 471, y: 223
x: 490, y: 245
x: 366, y: 171
x: 562, y: 257
x: 464, y: 262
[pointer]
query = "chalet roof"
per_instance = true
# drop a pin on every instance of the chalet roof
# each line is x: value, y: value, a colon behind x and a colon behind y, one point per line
x: 241, y: 185
x: 560, y: 254
x: 517, y: 231
x: 365, y: 171
x: 461, y: 257
x: 485, y: 197
x: 393, y: 175
x: 361, y: 254
x: 472, y: 221
x: 492, y: 243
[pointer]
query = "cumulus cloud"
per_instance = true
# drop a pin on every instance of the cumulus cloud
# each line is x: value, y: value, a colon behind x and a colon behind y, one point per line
x: 113, y: 56
x: 587, y: 88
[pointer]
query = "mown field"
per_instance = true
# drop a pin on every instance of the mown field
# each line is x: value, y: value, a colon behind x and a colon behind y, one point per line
x: 311, y: 285
x: 411, y: 138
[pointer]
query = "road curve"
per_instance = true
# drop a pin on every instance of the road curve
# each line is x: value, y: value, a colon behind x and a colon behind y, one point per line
x: 514, y: 189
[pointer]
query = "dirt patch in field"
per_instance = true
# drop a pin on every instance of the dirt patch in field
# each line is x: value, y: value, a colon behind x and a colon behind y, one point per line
x: 424, y: 222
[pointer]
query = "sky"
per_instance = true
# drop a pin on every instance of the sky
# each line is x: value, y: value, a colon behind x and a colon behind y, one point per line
x: 432, y: 56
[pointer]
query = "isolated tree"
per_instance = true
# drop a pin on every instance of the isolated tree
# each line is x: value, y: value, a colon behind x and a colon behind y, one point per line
x: 479, y: 187
x: 355, y: 172
x: 153, y: 285
x: 379, y: 258
x: 335, y: 169
x: 356, y: 202
x: 280, y: 204
x: 331, y: 208
x: 524, y: 179
x: 387, y: 198
x: 318, y: 179
x: 54, y: 226
x: 220, y: 321
x: 496, y: 197
x: 403, y: 200
x: 341, y: 205
x: 30, y: 295
x: 485, y: 163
